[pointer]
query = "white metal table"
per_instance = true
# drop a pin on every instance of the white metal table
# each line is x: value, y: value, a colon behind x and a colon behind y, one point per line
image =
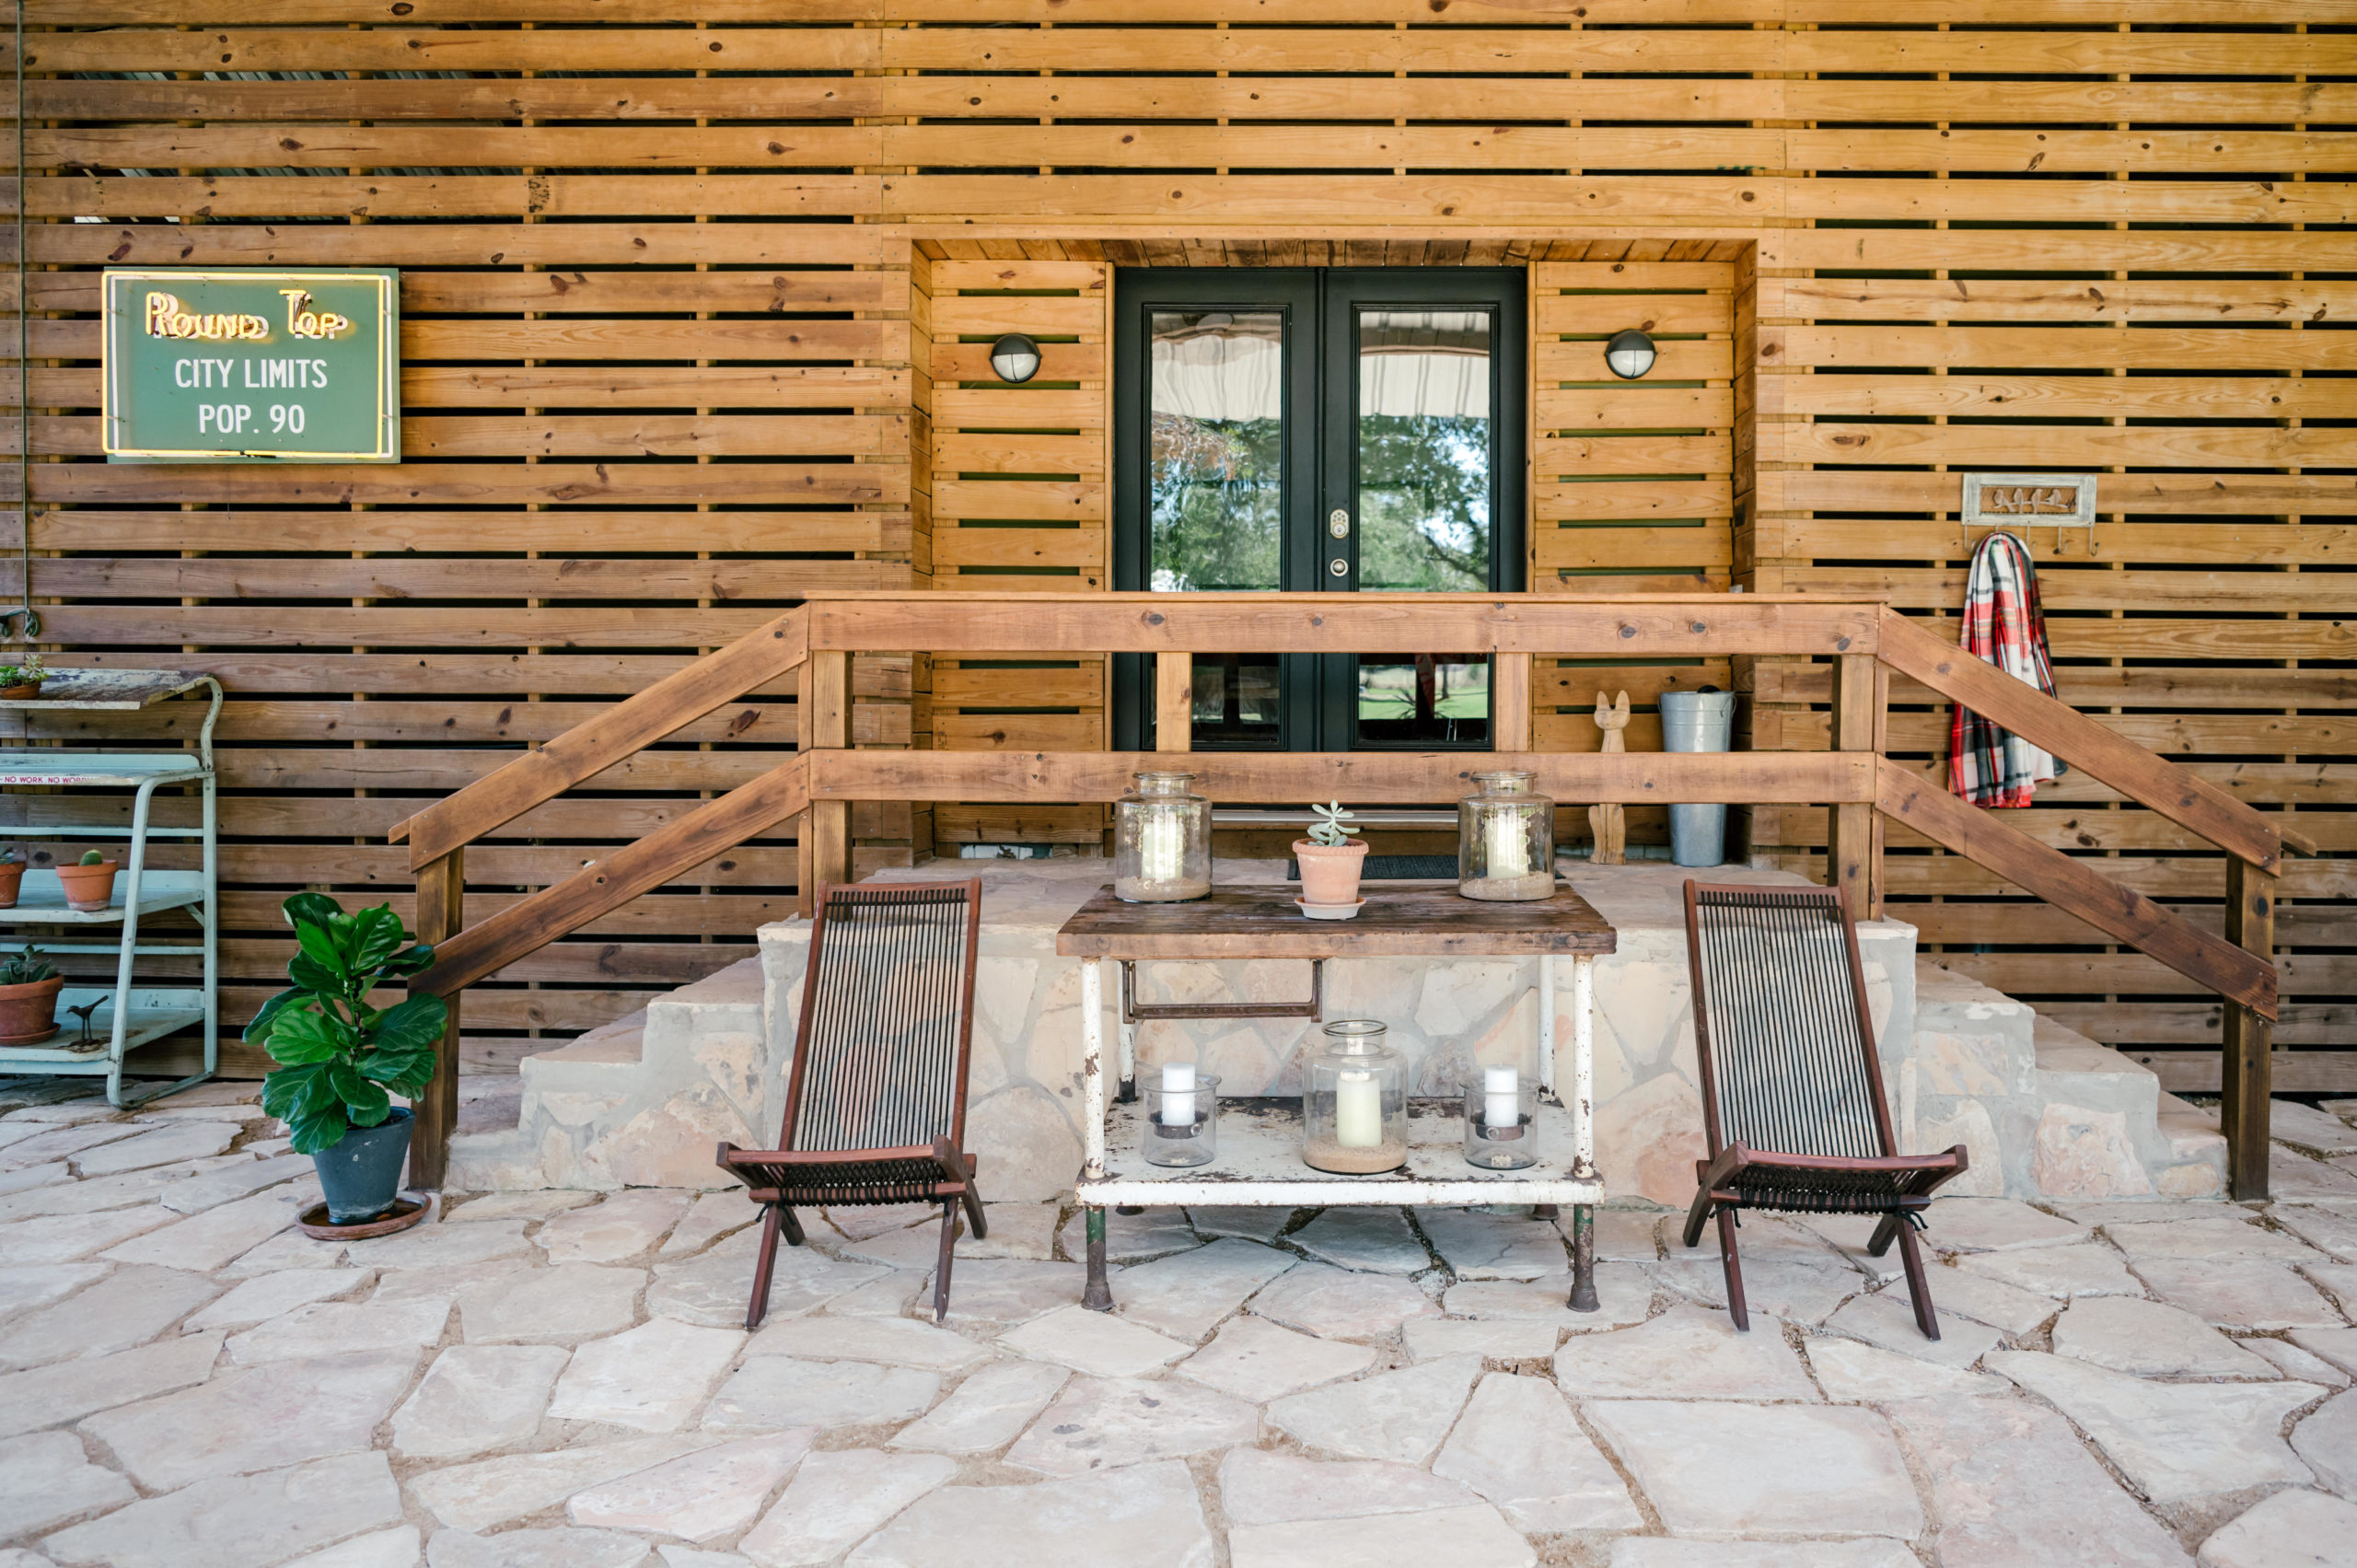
x: 1260, y: 1160
x: 114, y: 1022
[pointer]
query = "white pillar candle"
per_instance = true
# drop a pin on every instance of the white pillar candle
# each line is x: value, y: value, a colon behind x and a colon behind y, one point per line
x: 1358, y: 1110
x: 1507, y: 844
x: 1159, y: 845
x: 1177, y: 1094
x: 1501, y: 1104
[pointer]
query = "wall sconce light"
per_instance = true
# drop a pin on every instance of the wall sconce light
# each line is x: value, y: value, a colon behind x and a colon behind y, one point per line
x: 1630, y: 354
x: 1015, y: 358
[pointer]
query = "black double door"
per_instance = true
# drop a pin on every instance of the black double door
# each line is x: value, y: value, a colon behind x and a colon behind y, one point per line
x: 1318, y: 429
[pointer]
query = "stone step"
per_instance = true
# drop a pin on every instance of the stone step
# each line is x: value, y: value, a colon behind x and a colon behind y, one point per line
x: 637, y: 1102
x: 2105, y: 1132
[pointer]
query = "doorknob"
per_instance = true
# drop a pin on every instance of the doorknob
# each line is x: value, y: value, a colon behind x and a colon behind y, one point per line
x: 1339, y: 567
x: 1338, y: 523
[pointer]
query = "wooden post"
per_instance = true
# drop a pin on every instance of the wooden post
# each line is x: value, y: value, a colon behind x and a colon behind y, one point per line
x: 2249, y: 1036
x: 441, y: 914
x: 830, y: 730
x: 1510, y: 703
x: 805, y: 890
x: 1854, y: 841
x: 1174, y: 702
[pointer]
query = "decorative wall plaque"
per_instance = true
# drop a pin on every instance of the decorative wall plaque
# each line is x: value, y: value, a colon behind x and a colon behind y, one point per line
x: 2049, y: 500
x: 248, y: 365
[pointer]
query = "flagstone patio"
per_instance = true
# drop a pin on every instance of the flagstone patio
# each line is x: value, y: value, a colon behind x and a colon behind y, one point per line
x: 556, y: 1379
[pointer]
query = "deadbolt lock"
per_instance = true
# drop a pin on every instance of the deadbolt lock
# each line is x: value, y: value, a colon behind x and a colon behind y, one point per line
x: 1338, y: 523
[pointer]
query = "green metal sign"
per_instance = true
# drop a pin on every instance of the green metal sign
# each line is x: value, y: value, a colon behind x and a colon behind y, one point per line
x: 253, y: 366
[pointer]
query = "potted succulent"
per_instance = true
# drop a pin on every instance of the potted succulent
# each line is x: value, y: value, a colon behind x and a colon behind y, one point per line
x: 90, y: 886
x: 1329, y: 866
x: 340, y: 1057
x: 21, y: 681
x: 12, y: 876
x: 29, y: 988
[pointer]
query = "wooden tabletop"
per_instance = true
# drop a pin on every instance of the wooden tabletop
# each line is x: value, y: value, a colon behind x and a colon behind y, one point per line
x: 1418, y: 920
x: 128, y: 689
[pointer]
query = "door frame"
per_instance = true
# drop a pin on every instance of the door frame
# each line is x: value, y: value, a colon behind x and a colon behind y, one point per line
x: 1320, y: 306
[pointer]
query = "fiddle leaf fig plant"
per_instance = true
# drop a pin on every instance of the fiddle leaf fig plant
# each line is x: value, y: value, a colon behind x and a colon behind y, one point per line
x: 339, y: 1057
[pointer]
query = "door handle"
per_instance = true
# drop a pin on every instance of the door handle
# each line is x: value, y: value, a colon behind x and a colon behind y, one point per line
x: 1338, y: 523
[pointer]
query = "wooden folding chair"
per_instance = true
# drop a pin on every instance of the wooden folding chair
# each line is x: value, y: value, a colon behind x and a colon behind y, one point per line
x: 876, y: 1105
x: 1793, y: 1101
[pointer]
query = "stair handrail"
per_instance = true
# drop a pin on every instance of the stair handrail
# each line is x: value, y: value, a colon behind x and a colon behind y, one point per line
x: 819, y: 640
x: 2239, y: 966
x: 2151, y: 780
x: 615, y: 735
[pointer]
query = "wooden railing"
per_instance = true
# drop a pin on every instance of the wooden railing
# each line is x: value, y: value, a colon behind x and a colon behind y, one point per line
x: 1856, y: 783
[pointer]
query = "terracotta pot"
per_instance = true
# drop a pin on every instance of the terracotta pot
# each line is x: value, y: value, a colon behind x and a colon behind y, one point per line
x: 23, y: 691
x: 29, y: 1013
x: 1330, y: 873
x: 12, y: 878
x: 88, y: 887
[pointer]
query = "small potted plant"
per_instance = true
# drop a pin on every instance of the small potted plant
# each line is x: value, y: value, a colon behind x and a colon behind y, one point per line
x: 340, y: 1057
x: 21, y: 681
x: 12, y: 876
x: 29, y: 988
x: 1329, y: 866
x: 90, y: 886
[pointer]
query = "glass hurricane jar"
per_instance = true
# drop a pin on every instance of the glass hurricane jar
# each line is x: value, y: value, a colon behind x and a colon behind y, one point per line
x: 1162, y: 842
x: 1354, y: 1102
x: 1505, y: 839
x: 1500, y: 1133
x: 1182, y: 1117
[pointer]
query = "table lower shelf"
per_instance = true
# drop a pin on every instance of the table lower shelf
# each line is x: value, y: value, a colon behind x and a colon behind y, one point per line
x: 154, y: 1013
x: 1260, y: 1163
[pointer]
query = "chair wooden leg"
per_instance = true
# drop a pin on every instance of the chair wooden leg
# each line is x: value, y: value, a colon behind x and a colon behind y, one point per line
x: 1698, y: 1213
x: 1910, y: 1256
x: 759, y: 1307
x: 1885, y: 1234
x: 975, y: 1219
x: 1736, y: 1310
x: 792, y: 1225
x: 942, y: 1262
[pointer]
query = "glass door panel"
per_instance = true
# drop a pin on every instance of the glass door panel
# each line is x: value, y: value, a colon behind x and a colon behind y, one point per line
x: 1317, y: 430
x: 1216, y: 454
x: 1215, y: 451
x: 1425, y: 464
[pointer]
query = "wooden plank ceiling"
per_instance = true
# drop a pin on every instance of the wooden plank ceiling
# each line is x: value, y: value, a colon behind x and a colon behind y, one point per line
x: 694, y: 322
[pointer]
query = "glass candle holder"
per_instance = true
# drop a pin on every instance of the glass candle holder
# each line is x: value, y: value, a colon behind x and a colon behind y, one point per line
x: 1181, y: 1116
x: 1354, y: 1102
x: 1162, y: 842
x: 1505, y: 839
x: 1500, y: 1131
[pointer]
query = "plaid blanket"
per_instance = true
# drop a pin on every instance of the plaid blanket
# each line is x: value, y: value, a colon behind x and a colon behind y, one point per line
x: 2003, y: 626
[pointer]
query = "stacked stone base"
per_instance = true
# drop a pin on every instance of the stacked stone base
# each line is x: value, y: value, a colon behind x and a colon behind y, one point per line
x: 2045, y: 1112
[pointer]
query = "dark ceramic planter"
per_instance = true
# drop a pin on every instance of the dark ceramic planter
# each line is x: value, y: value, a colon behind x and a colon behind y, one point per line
x: 361, y: 1173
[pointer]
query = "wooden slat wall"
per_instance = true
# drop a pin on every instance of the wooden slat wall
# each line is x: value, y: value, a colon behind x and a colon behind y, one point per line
x: 628, y: 441
x: 2105, y: 233
x: 1021, y: 489
x: 1633, y: 482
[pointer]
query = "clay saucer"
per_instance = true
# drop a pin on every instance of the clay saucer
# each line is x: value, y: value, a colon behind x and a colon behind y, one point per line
x: 405, y: 1213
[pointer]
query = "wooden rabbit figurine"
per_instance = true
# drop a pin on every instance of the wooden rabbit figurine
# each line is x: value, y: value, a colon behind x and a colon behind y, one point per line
x: 1606, y: 823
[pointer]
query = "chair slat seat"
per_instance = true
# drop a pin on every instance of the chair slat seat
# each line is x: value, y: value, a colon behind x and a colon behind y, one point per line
x: 1794, y: 1111
x: 876, y: 1103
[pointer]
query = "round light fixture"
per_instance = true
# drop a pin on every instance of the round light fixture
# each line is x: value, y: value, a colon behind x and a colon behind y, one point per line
x: 1630, y: 354
x: 1015, y: 358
